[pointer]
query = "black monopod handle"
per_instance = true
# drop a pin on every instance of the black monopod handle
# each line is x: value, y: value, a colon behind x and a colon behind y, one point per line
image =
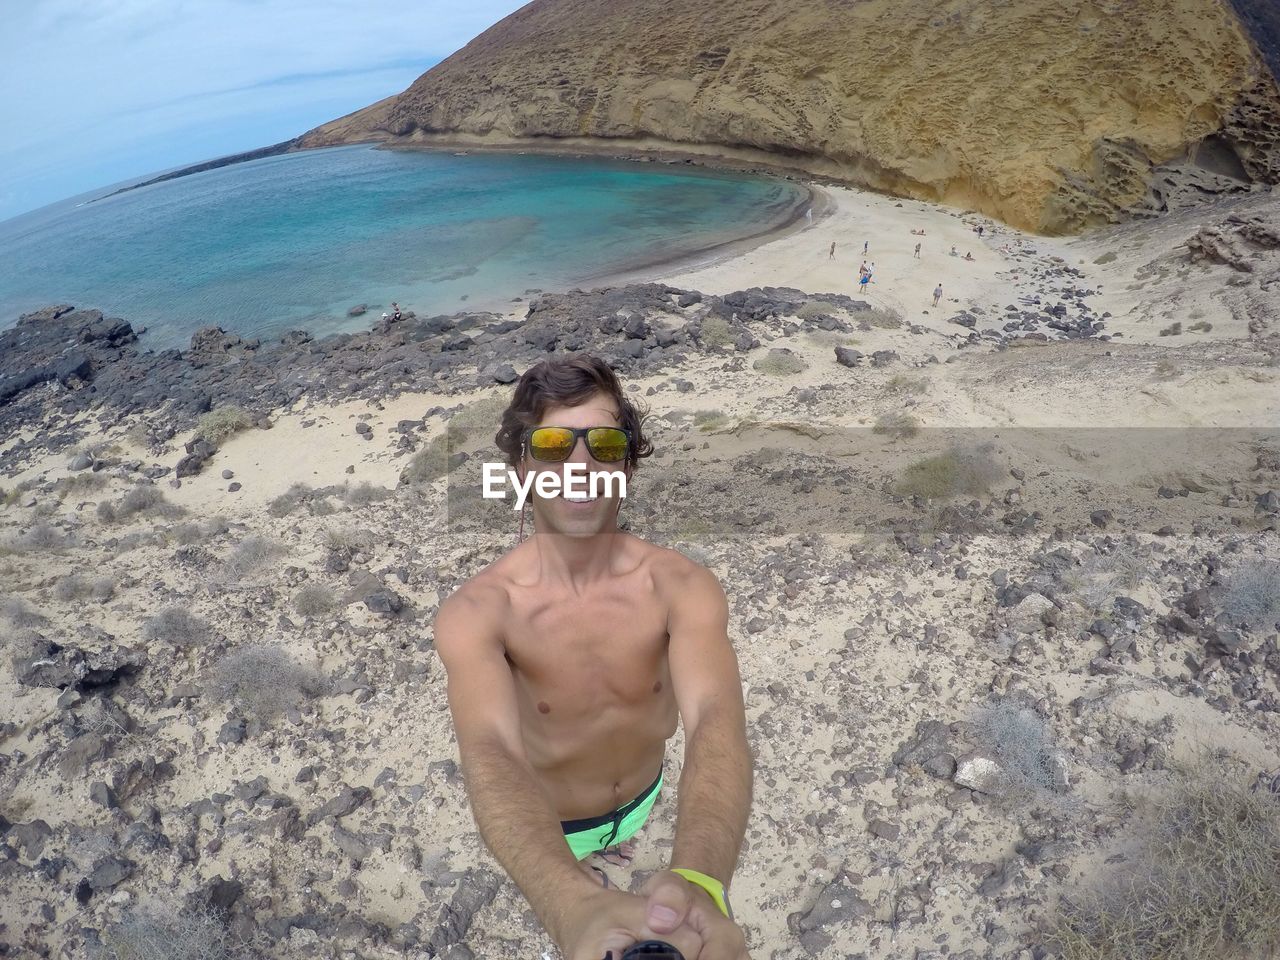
x: 649, y: 950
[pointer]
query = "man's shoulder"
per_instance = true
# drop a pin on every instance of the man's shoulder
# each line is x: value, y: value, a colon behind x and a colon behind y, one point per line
x: 677, y: 571
x: 485, y: 592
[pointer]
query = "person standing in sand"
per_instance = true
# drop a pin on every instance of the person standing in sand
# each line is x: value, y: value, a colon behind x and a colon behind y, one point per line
x: 865, y: 245
x: 917, y: 251
x: 570, y: 660
x: 937, y: 294
x: 832, y: 254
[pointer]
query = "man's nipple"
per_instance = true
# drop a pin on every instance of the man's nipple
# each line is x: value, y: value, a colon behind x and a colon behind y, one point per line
x: 657, y: 687
x: 544, y: 707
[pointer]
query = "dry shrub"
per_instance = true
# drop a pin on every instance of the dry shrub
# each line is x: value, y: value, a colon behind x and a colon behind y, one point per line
x: 364, y: 494
x: 75, y: 586
x: 175, y: 625
x: 1205, y: 884
x: 21, y: 614
x: 432, y: 461
x: 314, y: 600
x: 217, y: 425
x: 716, y: 332
x: 169, y: 931
x: 288, y: 501
x: 780, y: 362
x: 1102, y: 576
x: 896, y: 425
x: 263, y: 680
x: 1252, y: 595
x: 250, y: 554
x: 347, y: 538
x: 957, y: 472
x: 1018, y: 738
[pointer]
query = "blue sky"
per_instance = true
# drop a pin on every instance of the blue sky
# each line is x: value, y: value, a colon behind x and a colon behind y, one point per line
x: 99, y: 91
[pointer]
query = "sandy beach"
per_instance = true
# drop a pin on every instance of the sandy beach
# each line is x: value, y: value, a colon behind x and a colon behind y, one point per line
x: 875, y: 620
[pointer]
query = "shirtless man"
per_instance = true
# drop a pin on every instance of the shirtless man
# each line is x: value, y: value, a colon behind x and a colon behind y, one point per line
x: 570, y: 660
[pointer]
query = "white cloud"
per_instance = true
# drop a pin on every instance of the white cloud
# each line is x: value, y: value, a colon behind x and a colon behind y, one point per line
x: 83, y: 79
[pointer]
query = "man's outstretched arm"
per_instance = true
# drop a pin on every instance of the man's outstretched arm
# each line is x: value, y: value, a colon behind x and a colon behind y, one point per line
x: 716, y: 782
x: 511, y: 810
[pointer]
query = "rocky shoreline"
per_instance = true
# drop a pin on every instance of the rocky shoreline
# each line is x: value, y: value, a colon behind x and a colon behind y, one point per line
x: 998, y: 572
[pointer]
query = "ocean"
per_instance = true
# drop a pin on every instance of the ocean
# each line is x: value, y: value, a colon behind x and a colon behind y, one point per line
x: 294, y: 241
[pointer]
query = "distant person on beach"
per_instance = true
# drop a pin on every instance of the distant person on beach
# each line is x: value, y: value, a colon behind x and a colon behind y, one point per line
x: 937, y: 294
x: 980, y: 228
x: 865, y: 244
x: 917, y: 251
x: 832, y: 254
x: 953, y: 251
x: 968, y: 255
x: 395, y: 311
x: 571, y: 660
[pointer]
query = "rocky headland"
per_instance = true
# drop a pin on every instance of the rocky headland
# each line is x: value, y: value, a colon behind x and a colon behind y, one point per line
x: 1050, y: 117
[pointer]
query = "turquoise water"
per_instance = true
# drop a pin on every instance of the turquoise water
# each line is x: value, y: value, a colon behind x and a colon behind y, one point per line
x: 294, y: 241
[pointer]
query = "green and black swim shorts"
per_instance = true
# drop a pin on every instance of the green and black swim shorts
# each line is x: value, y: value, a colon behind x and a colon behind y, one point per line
x: 590, y: 834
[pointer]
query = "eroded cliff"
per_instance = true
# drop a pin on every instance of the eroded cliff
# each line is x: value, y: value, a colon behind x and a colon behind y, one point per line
x: 1051, y: 116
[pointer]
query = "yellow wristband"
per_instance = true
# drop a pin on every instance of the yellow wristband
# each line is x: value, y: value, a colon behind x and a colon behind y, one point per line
x: 713, y: 887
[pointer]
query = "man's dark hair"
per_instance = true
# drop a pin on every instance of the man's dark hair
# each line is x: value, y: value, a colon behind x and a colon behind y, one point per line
x: 567, y: 382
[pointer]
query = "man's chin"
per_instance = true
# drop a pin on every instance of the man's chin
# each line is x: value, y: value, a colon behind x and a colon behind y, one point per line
x: 579, y: 519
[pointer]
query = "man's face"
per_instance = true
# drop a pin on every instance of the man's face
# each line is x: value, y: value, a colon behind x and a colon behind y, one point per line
x: 578, y: 516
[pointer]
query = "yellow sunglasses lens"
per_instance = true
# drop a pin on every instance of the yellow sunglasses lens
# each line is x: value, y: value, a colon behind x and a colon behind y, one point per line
x: 551, y: 443
x: 607, y: 445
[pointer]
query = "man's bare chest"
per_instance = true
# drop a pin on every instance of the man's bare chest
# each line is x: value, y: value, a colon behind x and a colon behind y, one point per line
x: 615, y: 642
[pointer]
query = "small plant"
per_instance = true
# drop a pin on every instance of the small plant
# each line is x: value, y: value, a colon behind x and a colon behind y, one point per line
x: 897, y: 425
x: 107, y: 512
x: 186, y: 533
x: 288, y: 501
x: 959, y: 471
x: 1166, y: 369
x: 716, y: 332
x: 1204, y: 326
x: 881, y: 317
x: 249, y: 554
x: 709, y: 421
x: 1107, y: 257
x: 145, y: 499
x: 901, y: 384
x: 78, y: 483
x: 480, y: 416
x: 1252, y: 595
x: 347, y: 538
x: 314, y: 600
x: 217, y: 425
x: 216, y: 526
x: 1018, y: 739
x: 1204, y: 885
x: 263, y: 680
x: 41, y: 535
x: 1103, y: 575
x: 431, y: 462
x: 21, y: 614
x: 169, y: 931
x: 1172, y: 330
x: 364, y: 494
x: 781, y: 363
x: 75, y: 586
x: 177, y: 627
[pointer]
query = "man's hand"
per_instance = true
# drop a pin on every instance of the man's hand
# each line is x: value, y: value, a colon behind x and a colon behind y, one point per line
x: 674, y: 905
x: 609, y: 921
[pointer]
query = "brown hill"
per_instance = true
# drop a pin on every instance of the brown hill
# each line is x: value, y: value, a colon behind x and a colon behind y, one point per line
x: 1051, y: 116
